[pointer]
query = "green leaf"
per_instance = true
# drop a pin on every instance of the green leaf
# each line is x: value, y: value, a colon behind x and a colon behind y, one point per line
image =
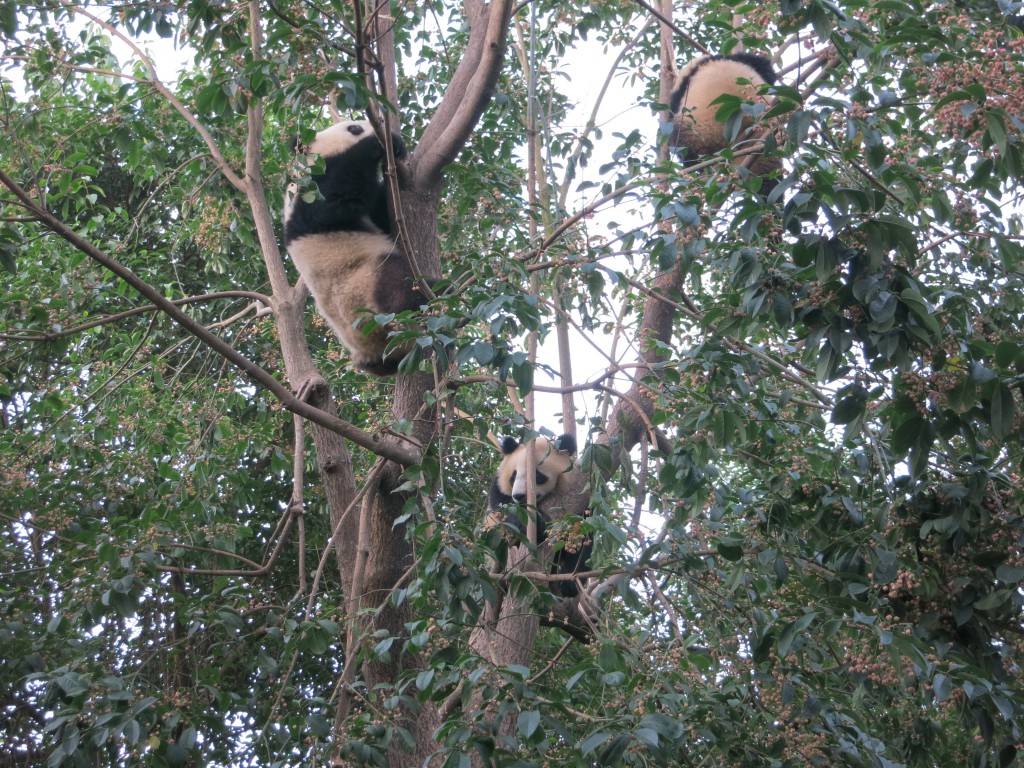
x: 791, y: 631
x: 996, y: 129
x: 522, y: 375
x: 647, y: 736
x: 176, y: 755
x: 920, y: 309
x: 995, y: 599
x: 920, y: 451
x: 907, y: 434
x: 982, y: 374
x: 528, y: 722
x: 730, y: 547
x: 614, y: 751
x: 1007, y: 353
x: 849, y: 408
x: 594, y: 741
x: 785, y: 640
x: 942, y: 686
x: 609, y: 658
x: 1010, y: 574
x: 782, y: 309
x: 883, y: 309
x: 8, y: 263
x: 73, y: 683
x: 381, y: 650
x: 799, y: 125
x: 963, y: 395
x: 8, y: 18
x: 1003, y: 411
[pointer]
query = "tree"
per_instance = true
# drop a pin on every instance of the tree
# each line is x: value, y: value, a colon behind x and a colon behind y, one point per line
x: 225, y: 546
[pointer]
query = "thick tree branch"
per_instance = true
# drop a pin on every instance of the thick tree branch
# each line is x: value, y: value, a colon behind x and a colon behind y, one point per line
x: 388, y: 449
x: 254, y: 189
x: 467, y: 94
x: 625, y: 431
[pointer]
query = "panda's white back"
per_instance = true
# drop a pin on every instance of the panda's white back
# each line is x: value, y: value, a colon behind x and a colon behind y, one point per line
x: 704, y: 135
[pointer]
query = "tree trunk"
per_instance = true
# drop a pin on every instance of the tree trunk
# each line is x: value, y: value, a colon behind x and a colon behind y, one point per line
x: 387, y: 556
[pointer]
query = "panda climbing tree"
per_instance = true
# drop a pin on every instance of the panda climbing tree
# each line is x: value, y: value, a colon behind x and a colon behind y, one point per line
x: 555, y: 469
x: 343, y: 246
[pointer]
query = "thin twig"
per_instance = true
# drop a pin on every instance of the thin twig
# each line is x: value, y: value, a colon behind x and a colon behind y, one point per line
x: 137, y: 311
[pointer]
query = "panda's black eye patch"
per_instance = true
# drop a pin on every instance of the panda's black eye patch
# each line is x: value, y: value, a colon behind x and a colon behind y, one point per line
x: 541, y: 478
x: 355, y: 130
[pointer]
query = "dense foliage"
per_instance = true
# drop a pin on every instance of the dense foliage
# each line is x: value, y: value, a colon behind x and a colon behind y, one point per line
x: 810, y: 554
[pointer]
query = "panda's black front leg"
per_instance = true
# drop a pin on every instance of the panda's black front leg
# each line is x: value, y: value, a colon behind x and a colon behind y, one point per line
x: 573, y: 561
x: 519, y: 514
x: 380, y: 212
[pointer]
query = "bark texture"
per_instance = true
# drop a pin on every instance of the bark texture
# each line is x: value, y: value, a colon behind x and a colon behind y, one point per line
x: 388, y: 554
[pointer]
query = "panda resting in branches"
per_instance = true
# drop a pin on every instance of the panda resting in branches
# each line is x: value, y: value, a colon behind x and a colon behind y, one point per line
x: 695, y: 128
x: 555, y: 464
x: 343, y: 246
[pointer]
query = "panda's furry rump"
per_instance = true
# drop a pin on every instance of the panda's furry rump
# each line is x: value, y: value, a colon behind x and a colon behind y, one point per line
x: 339, y: 267
x: 695, y: 127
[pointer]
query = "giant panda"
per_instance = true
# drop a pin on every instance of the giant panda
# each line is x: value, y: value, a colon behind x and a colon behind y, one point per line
x: 699, y: 83
x: 554, y: 461
x: 343, y: 246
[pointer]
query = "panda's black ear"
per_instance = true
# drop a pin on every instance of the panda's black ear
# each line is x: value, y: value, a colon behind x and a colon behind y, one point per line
x: 509, y: 445
x: 566, y: 444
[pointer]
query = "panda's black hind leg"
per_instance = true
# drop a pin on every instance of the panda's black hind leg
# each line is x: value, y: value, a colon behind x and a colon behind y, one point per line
x: 385, y: 367
x: 396, y: 290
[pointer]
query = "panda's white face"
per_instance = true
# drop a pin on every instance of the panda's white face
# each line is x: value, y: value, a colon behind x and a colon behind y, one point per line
x: 551, y: 465
x: 340, y: 137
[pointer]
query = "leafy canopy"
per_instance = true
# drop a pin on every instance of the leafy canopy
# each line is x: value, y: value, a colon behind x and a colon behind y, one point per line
x: 819, y: 561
